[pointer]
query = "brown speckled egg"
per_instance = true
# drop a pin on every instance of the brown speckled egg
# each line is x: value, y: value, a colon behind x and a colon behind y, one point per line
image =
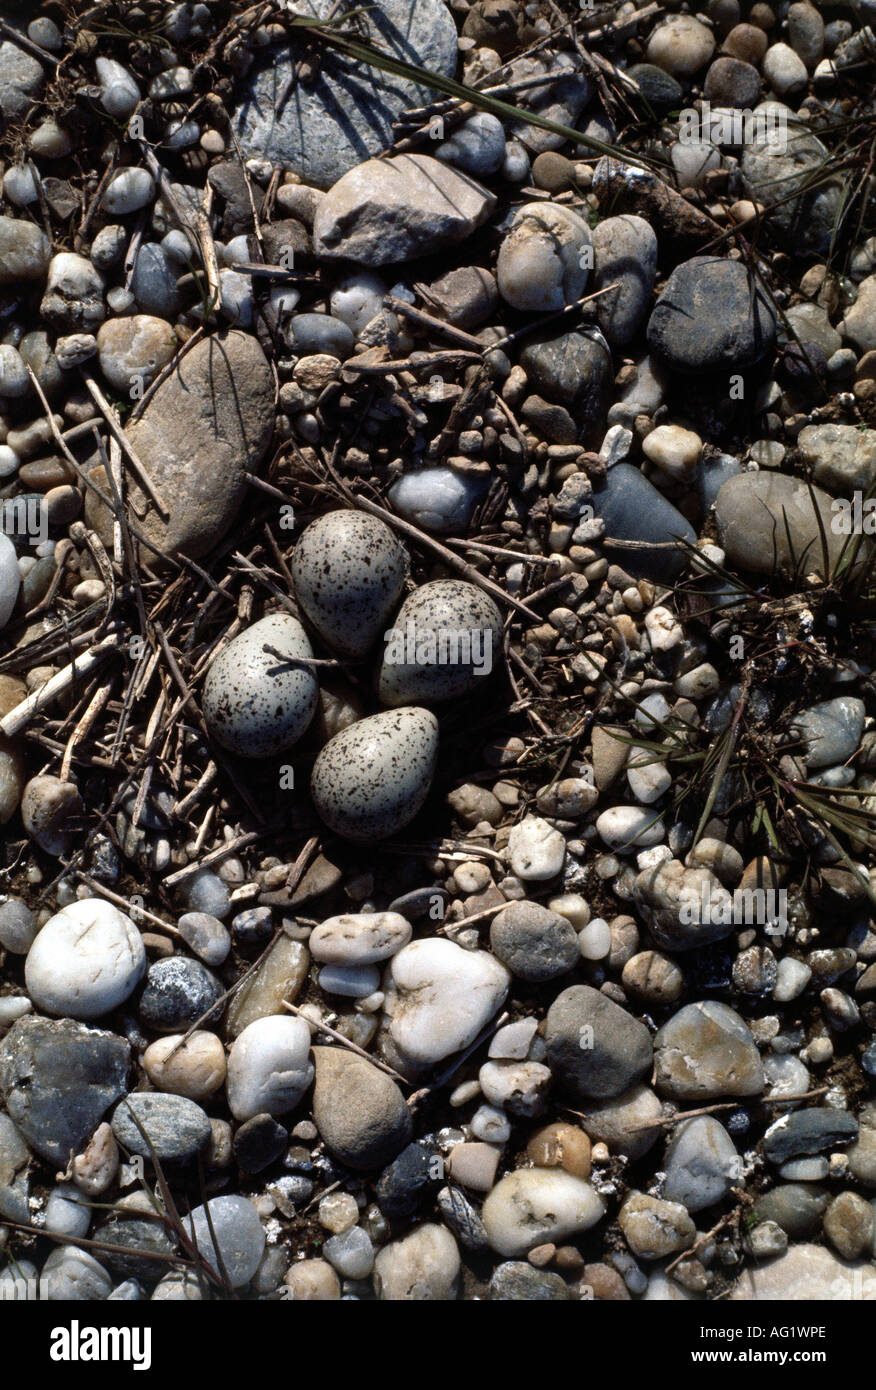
x: 255, y: 704
x: 372, y: 778
x: 453, y: 631
x: 349, y: 571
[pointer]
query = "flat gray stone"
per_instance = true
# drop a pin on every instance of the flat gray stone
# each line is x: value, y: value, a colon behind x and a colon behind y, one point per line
x: 711, y: 317
x: 595, y: 1048
x: 390, y: 210
x: 770, y: 174
x: 633, y: 510
x: 176, y: 1128
x: 328, y: 127
x: 767, y: 522
x: 207, y: 425
x: 831, y: 731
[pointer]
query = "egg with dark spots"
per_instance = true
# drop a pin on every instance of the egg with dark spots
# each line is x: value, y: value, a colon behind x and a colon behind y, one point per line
x: 258, y: 704
x: 442, y: 644
x: 349, y: 571
x: 371, y: 779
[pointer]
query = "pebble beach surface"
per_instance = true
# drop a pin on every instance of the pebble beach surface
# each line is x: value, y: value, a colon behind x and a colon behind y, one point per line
x: 437, y: 708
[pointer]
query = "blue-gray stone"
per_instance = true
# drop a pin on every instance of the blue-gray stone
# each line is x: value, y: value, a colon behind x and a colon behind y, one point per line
x: 57, y: 1079
x: 831, y: 731
x: 311, y: 333
x: 633, y: 510
x: 712, y: 473
x: 174, y: 1127
x: 805, y: 1132
x: 711, y: 317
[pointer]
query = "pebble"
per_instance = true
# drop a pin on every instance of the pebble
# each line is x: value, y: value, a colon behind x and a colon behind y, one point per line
x: 132, y: 351
x: 477, y: 146
x: 705, y: 1052
x: 534, y: 1205
x: 595, y: 1048
x: 18, y: 926
x: 784, y: 70
x: 701, y: 1164
x: 534, y: 943
x: 72, y: 1275
x: 359, y: 938
x: 545, y: 258
x: 423, y: 1266
x: 205, y: 936
x: 178, y: 992
x: 350, y: 1253
x: 654, y: 1228
x: 85, y: 961
x: 359, y: 1111
x: 708, y: 318
x: 831, y: 731
x: 195, y: 1068
x: 349, y: 571
x: 627, y: 828
x: 773, y: 171
x: 239, y: 1237
x: 439, y: 997
x: 681, y: 45
x: 520, y: 1088
x: 370, y: 780
x: 175, y: 1128
x: 625, y: 254
x: 67, y: 1214
x: 633, y: 510
x: 805, y: 1273
x: 746, y: 509
x: 25, y: 251
x: 536, y: 851
x: 119, y: 92
x: 398, y: 209
x: 129, y: 190
x: 346, y: 113
x: 438, y: 500
x: 255, y: 705
x: 58, y: 1078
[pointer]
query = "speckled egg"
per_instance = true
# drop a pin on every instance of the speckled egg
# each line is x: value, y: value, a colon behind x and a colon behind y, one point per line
x: 442, y: 644
x: 349, y: 571
x: 255, y: 704
x: 371, y: 779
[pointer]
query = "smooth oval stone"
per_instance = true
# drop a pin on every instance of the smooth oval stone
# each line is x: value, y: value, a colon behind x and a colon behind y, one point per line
x: 701, y: 1164
x: 706, y: 1051
x: 436, y: 499
x: 234, y: 1222
x: 441, y: 645
x: 545, y: 258
x: 625, y: 254
x: 767, y: 522
x: 371, y: 779
x: 348, y: 570
x: 359, y: 1111
x: 175, y: 1128
x: 357, y: 938
x: 312, y: 333
x: 633, y: 510
x: 439, y: 997
x: 269, y: 1067
x: 257, y: 704
x: 534, y: 1205
x: 87, y: 960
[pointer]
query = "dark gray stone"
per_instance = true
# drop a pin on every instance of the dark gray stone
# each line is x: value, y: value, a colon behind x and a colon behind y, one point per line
x: 462, y: 1217
x: 535, y: 943
x: 58, y: 1079
x: 796, y: 1207
x: 595, y: 1048
x: 633, y: 510
x: 576, y: 371
x: 178, y: 991
x: 259, y: 1142
x: 660, y: 89
x: 711, y: 317
x: 805, y: 1132
x: 712, y: 474
x: 405, y: 1183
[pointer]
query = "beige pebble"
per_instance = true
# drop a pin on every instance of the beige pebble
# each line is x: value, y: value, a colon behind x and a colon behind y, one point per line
x: 95, y: 1169
x: 561, y: 1146
x: 314, y: 1281
x: 195, y: 1071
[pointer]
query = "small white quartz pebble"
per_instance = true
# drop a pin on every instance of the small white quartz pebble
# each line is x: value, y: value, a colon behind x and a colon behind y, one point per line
x: 87, y: 960
x: 269, y: 1067
x: 536, y: 851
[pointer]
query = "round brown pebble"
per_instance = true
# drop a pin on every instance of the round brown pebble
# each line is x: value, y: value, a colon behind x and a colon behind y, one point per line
x: 553, y: 172
x: 746, y: 42
x: 763, y: 16
x: 313, y: 1281
x: 603, y: 1284
x: 561, y: 1146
